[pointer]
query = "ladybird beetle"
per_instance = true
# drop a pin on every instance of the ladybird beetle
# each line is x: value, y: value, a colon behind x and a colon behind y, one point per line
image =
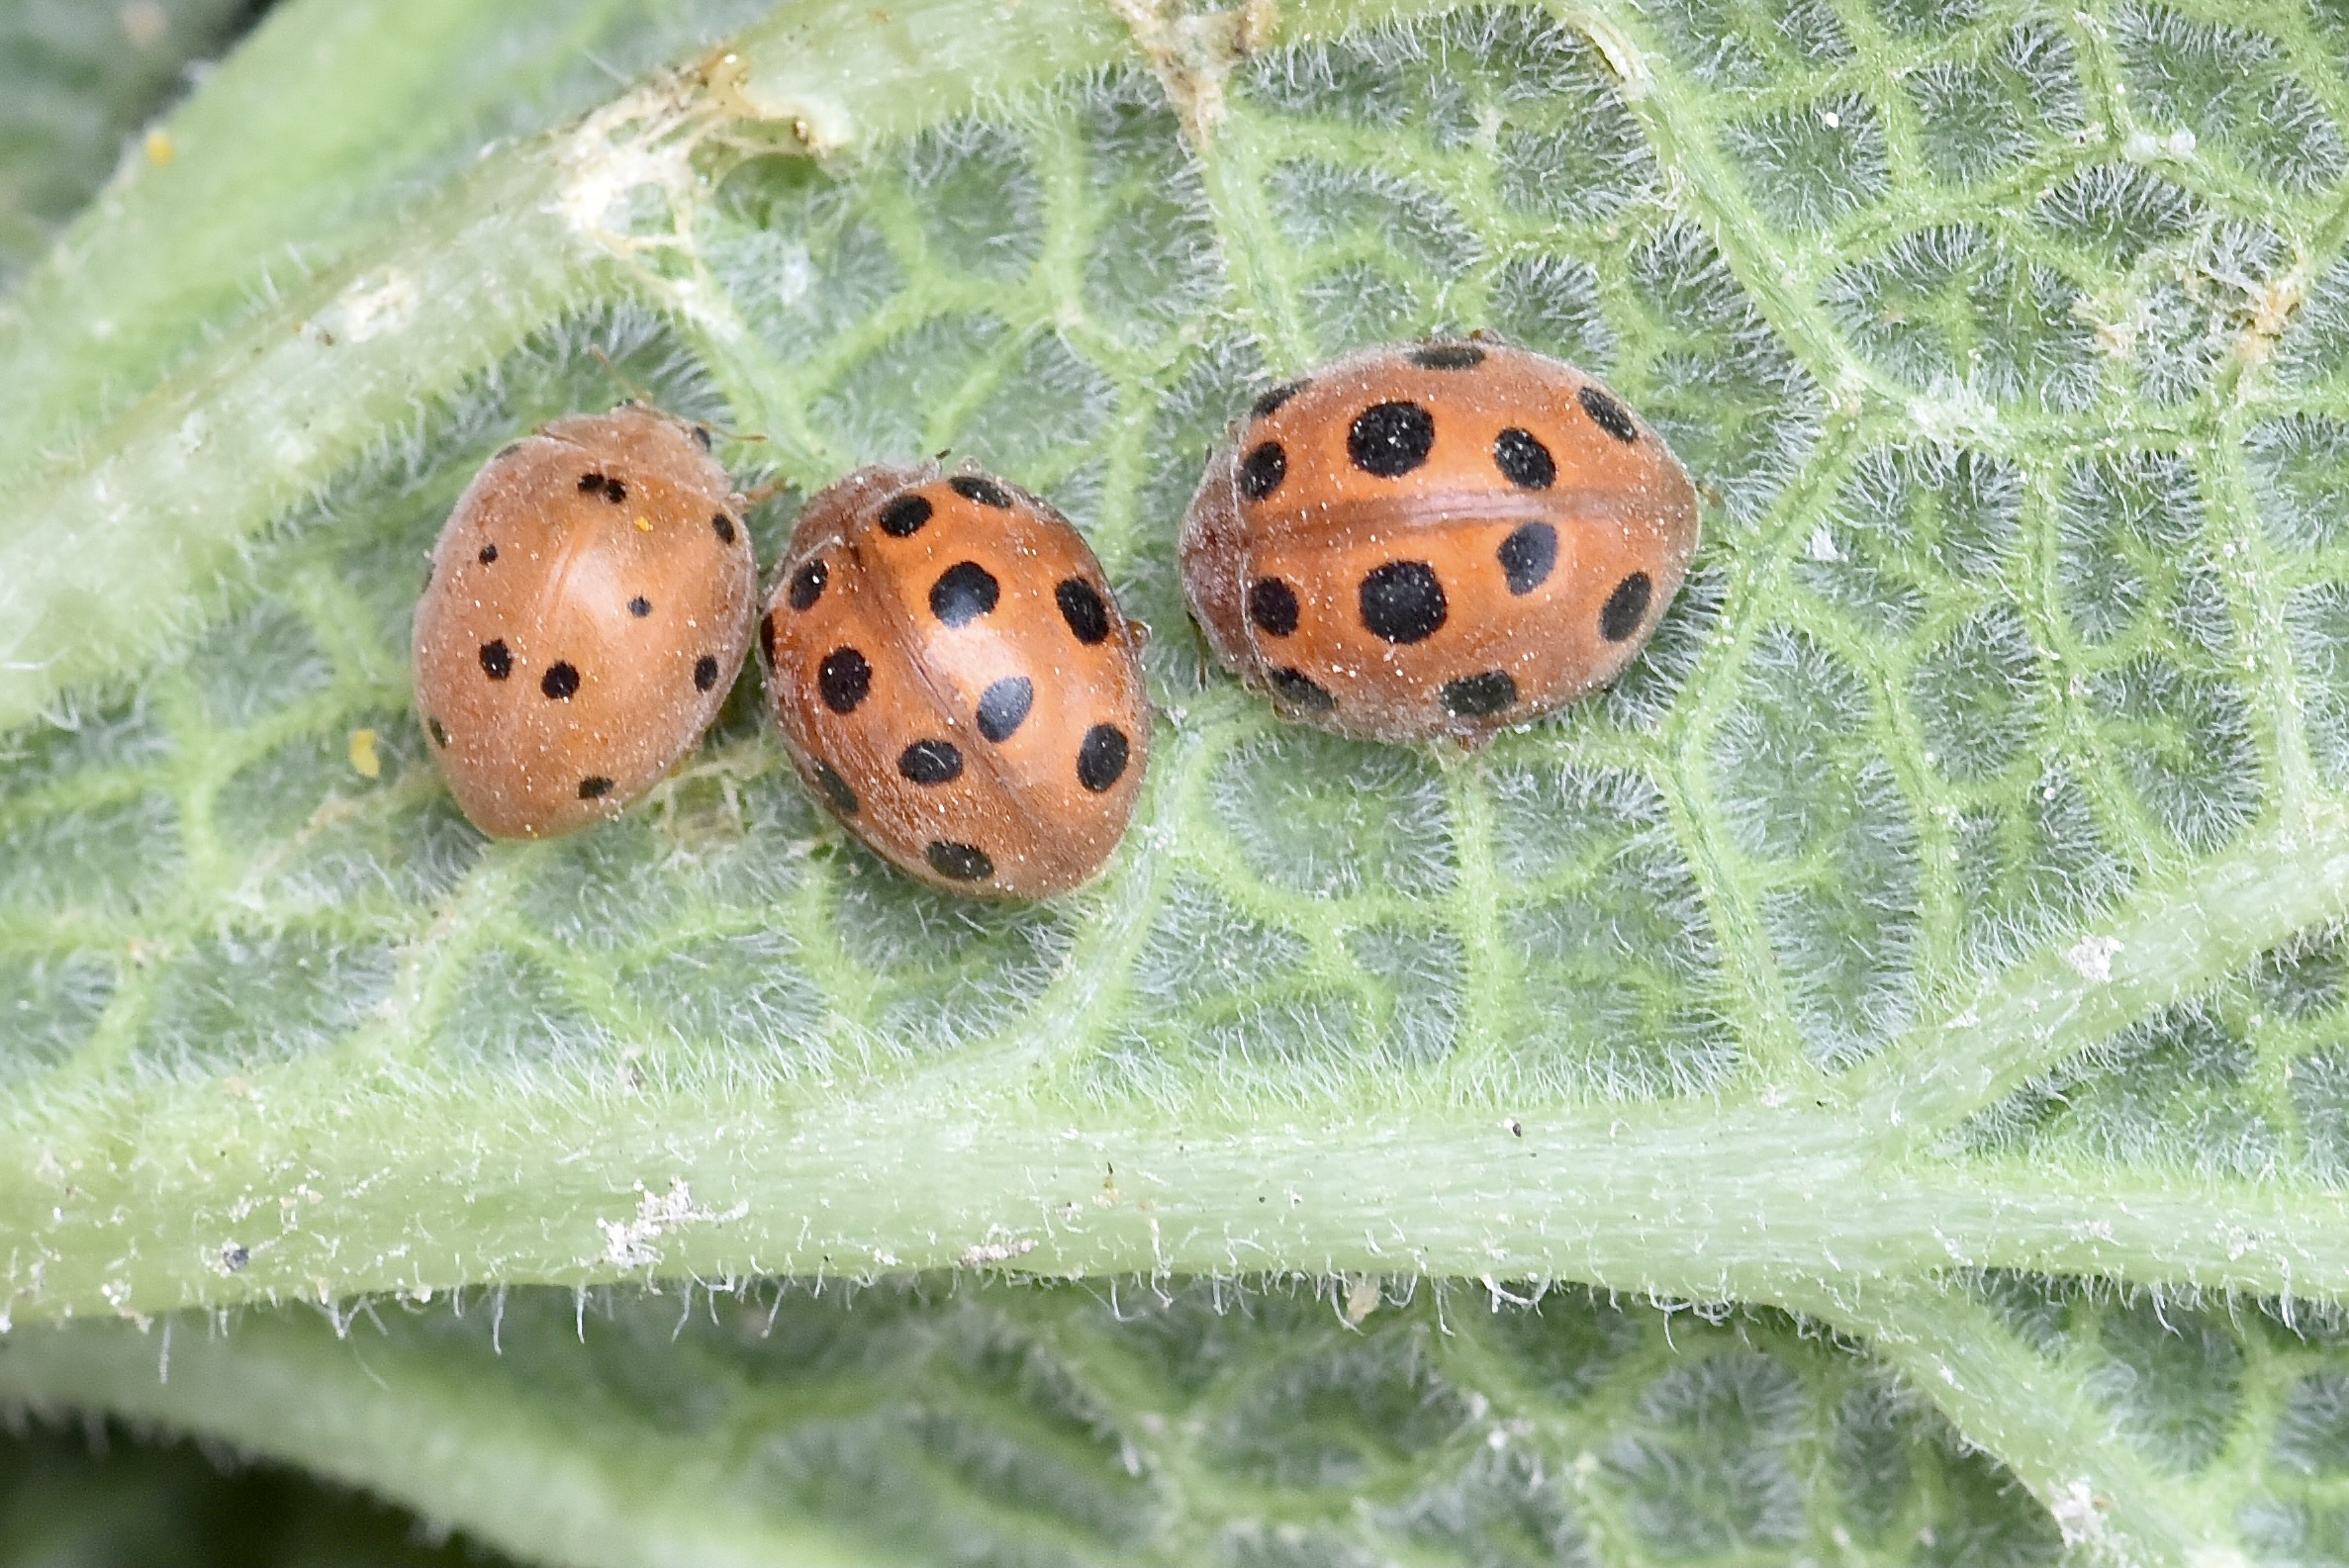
x: 954, y: 679
x: 586, y: 609
x: 1435, y: 539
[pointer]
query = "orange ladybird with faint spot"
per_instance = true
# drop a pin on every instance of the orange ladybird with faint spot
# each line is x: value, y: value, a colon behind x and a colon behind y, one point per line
x: 1436, y: 539
x: 954, y: 679
x: 586, y: 609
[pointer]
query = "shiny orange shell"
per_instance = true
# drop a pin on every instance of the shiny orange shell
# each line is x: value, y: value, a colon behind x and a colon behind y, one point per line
x: 1436, y: 539
x: 587, y: 607
x: 955, y: 680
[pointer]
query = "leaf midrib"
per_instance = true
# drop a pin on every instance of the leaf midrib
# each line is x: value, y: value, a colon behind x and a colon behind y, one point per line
x: 97, y: 1156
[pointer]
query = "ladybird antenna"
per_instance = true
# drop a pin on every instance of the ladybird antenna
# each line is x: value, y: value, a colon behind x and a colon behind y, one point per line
x: 636, y: 394
x: 643, y: 397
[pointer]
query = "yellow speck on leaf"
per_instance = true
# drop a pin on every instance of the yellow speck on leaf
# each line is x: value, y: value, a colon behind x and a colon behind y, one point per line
x: 362, y: 754
x: 160, y: 148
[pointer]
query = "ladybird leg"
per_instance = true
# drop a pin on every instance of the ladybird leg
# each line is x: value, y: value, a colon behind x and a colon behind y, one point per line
x: 1462, y: 750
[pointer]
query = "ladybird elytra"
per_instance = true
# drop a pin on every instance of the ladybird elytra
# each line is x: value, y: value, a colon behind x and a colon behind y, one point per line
x: 1436, y: 539
x: 582, y: 620
x: 953, y: 679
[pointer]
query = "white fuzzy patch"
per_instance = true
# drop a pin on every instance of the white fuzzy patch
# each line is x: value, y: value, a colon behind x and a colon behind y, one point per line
x: 371, y: 307
x: 627, y: 1244
x: 982, y: 1253
x: 795, y: 277
x: 1955, y: 412
x: 617, y: 151
x: 2076, y: 1513
x: 2093, y: 958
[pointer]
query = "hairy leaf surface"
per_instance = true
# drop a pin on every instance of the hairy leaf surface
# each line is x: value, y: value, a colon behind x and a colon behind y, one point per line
x: 1936, y: 935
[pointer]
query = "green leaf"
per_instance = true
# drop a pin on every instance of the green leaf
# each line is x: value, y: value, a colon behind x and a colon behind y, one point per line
x: 1946, y: 907
x: 91, y: 1491
x: 74, y: 82
x: 920, y: 1421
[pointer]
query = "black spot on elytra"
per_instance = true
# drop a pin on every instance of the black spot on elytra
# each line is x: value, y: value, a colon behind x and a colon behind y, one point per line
x: 489, y: 553
x: 594, y: 787
x: 560, y: 681
x: 1479, y: 696
x: 591, y: 484
x: 1608, y: 414
x: 1391, y: 439
x: 723, y: 526
x: 1272, y: 606
x: 1262, y: 470
x: 931, y: 762
x: 705, y: 671
x: 1523, y: 460
x: 1447, y: 356
x: 962, y: 592
x: 1267, y: 401
x: 767, y: 640
x: 1626, y: 607
x: 497, y: 660
x: 1004, y: 706
x: 843, y: 678
x: 979, y: 488
x: 1101, y: 759
x: 701, y: 435
x: 903, y: 518
x: 440, y: 732
x: 1302, y: 690
x: 807, y: 584
x: 615, y: 491
x: 836, y: 790
x: 1527, y: 556
x: 640, y: 606
x: 958, y: 863
x: 507, y: 451
x: 1082, y: 607
x: 1402, y: 601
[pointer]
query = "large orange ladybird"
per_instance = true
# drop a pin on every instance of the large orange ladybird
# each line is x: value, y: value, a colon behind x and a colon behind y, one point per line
x: 953, y: 678
x: 1436, y: 539
x: 586, y: 609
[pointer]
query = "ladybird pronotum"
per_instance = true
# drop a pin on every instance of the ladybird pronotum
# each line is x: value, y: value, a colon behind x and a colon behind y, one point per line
x: 1436, y: 539
x: 955, y: 680
x: 586, y: 609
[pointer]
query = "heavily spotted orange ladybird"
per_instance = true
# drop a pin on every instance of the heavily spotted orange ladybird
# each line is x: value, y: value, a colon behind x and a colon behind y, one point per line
x: 953, y: 678
x: 1436, y: 539
x: 586, y: 609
